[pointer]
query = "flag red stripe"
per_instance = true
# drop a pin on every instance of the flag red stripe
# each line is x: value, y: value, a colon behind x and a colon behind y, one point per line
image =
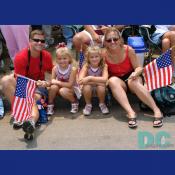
x: 16, y: 107
x: 150, y: 82
x: 146, y: 76
x: 164, y: 77
x: 154, y: 75
x: 160, y: 78
x: 157, y: 76
x: 170, y: 73
x: 167, y: 73
x: 22, y: 114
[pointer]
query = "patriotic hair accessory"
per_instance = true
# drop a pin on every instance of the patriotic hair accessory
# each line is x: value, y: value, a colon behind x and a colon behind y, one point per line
x: 60, y: 45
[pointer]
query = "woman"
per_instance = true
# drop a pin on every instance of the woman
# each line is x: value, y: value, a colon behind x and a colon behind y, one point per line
x: 124, y: 71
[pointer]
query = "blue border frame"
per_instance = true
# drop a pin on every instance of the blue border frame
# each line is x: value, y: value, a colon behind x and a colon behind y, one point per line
x: 83, y: 12
x: 86, y: 162
x: 87, y: 12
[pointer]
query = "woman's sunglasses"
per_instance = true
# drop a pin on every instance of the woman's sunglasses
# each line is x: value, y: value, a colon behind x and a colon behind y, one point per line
x: 112, y: 39
x: 38, y: 40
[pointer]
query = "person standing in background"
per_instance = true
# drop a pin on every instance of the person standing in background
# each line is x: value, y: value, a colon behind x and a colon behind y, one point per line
x: 16, y: 37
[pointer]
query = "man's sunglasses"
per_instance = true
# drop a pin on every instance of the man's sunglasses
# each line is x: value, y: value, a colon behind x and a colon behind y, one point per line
x: 112, y: 39
x: 38, y: 40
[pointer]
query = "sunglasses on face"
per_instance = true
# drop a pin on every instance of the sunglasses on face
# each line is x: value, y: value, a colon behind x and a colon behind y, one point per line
x: 39, y: 40
x: 112, y: 39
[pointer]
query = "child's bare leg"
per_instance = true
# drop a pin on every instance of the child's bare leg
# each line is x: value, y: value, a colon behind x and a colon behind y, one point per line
x: 101, y: 93
x: 87, y: 93
x: 54, y: 89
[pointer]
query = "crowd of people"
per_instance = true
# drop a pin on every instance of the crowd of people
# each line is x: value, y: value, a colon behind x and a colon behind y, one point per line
x: 108, y: 64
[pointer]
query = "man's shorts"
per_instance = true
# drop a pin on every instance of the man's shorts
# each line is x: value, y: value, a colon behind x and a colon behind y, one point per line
x: 157, y: 37
x: 91, y: 39
x: 42, y: 91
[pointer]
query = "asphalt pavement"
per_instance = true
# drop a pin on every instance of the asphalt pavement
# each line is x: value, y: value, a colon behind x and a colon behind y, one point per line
x: 65, y: 131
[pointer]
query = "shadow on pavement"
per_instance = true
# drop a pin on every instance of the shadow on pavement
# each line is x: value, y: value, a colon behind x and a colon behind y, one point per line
x: 38, y: 131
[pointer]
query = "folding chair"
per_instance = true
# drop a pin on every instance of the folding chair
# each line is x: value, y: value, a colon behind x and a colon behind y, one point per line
x: 152, y: 47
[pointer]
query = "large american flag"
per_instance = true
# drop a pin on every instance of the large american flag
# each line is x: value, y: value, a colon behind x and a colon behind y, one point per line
x: 158, y: 73
x: 23, y: 99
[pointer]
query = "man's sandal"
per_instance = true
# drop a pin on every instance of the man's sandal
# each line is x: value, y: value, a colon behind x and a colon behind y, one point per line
x: 132, y: 122
x: 159, y: 122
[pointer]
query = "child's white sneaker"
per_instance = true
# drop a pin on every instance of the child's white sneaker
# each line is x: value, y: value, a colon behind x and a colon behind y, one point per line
x: 103, y: 108
x: 87, y: 110
x: 74, y: 108
x: 50, y: 110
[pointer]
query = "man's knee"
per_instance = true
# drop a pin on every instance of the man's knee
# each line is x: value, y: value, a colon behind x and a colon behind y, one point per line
x: 165, y: 41
x: 7, y: 81
x: 170, y: 35
x: 76, y: 39
x: 37, y: 96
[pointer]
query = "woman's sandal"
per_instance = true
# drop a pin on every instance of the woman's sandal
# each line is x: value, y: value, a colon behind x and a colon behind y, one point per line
x: 132, y: 122
x: 159, y: 124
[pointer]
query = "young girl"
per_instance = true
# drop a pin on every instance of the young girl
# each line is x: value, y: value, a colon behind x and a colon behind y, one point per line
x: 63, y: 79
x: 93, y: 77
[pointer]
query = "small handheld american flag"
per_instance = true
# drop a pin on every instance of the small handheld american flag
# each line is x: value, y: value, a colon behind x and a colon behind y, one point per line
x: 81, y: 59
x: 23, y: 99
x: 158, y: 73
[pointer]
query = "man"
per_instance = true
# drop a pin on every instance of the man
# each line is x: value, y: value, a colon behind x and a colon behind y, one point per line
x: 92, y: 34
x: 32, y: 62
x: 69, y: 31
x: 163, y: 35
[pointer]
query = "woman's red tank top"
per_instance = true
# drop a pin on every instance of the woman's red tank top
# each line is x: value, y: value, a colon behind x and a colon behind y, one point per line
x: 120, y: 69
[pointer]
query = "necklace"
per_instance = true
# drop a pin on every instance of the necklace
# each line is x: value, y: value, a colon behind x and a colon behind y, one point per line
x: 112, y: 56
x: 116, y: 58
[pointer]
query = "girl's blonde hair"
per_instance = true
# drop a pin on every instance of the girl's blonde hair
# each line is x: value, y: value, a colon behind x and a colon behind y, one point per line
x: 64, y: 51
x: 92, y: 49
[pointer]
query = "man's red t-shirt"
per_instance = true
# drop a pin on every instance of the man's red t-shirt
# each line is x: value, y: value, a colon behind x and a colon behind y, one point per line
x: 21, y: 62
